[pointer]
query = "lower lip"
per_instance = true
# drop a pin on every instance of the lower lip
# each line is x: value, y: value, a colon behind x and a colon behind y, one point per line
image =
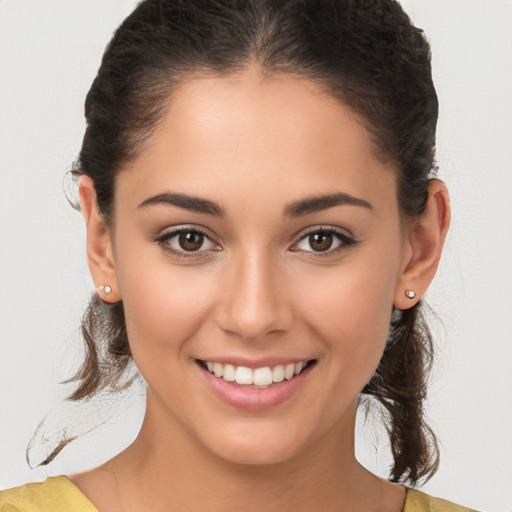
x: 255, y: 399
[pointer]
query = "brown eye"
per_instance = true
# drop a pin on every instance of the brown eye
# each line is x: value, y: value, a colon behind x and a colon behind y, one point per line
x: 187, y: 243
x: 328, y: 241
x: 321, y: 241
x: 191, y: 240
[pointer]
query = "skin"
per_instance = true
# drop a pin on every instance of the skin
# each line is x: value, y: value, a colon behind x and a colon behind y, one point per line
x: 257, y: 290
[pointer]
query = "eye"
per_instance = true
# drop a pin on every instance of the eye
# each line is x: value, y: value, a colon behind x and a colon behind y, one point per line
x: 319, y: 242
x: 324, y: 240
x: 186, y: 242
x: 190, y: 240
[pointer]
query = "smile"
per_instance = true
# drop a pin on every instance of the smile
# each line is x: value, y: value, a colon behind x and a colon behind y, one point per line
x: 262, y: 377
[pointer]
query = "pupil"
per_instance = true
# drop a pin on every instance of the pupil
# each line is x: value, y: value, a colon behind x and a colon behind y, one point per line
x: 191, y: 241
x: 321, y: 241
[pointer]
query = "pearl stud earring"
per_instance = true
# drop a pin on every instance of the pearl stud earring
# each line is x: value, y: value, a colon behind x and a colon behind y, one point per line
x: 106, y: 289
x: 410, y: 294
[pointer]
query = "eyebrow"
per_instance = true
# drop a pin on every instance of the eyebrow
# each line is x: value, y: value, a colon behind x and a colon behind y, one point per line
x: 191, y: 203
x: 296, y: 209
x: 323, y: 202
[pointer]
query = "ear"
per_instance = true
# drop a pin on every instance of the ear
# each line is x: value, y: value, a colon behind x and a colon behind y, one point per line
x: 100, y: 254
x: 425, y: 240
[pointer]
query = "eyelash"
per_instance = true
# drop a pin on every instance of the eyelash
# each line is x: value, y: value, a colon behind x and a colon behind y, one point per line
x: 166, y: 237
x: 346, y: 241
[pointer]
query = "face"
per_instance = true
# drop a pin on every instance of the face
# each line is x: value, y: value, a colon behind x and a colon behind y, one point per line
x: 258, y: 248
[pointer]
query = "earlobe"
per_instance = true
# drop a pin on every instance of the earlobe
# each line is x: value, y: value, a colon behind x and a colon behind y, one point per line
x: 100, y: 253
x: 426, y: 237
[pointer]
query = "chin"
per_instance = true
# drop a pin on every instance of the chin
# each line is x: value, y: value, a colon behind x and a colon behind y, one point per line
x: 257, y: 446
x: 257, y: 455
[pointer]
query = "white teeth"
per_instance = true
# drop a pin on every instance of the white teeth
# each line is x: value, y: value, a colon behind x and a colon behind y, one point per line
x: 229, y: 373
x: 244, y: 375
x: 259, y: 377
x: 278, y: 373
x: 218, y: 370
x: 289, y: 371
x: 262, y: 376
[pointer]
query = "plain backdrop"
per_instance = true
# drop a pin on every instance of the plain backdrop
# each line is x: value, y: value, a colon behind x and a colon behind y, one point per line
x: 49, y: 54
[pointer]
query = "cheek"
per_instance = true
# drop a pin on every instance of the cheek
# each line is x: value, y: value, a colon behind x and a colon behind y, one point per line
x: 349, y: 309
x: 164, y: 305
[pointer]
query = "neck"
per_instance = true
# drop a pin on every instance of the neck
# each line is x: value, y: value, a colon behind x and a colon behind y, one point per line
x: 178, y: 473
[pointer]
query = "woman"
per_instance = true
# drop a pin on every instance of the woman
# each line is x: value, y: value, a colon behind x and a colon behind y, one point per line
x: 257, y: 182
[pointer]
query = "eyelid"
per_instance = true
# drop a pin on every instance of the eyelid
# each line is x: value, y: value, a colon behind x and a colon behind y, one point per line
x: 324, y: 228
x: 346, y: 238
x: 172, y: 231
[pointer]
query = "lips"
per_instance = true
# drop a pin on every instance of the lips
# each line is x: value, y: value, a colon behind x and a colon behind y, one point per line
x: 261, y: 377
x: 255, y: 387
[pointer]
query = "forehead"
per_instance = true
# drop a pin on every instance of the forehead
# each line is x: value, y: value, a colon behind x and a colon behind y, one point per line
x: 260, y: 133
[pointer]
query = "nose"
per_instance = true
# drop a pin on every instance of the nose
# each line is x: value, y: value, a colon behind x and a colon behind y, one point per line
x: 253, y: 302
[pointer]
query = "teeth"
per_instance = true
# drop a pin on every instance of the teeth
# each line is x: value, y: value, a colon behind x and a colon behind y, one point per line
x: 262, y: 376
x: 244, y: 375
x: 298, y: 368
x: 278, y: 373
x: 229, y: 373
x: 289, y: 371
x: 218, y: 369
x: 259, y: 377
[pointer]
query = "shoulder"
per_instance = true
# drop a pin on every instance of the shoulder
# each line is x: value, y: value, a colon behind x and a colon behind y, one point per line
x: 418, y: 501
x: 56, y: 494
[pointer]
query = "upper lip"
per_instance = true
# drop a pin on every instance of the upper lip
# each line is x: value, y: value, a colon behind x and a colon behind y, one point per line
x: 256, y: 363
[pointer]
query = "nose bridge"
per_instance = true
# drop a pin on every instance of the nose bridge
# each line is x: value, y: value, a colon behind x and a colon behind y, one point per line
x: 254, y: 303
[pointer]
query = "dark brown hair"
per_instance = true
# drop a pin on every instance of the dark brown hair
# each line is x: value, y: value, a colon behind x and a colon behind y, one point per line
x: 365, y: 53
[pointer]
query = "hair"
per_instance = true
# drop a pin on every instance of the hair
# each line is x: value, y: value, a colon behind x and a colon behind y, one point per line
x: 365, y: 53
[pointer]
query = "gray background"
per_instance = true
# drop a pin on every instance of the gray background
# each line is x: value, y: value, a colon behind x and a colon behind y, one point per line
x: 49, y: 53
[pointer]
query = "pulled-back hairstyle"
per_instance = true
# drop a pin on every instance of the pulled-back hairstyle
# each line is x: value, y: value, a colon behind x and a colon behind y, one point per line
x: 365, y: 53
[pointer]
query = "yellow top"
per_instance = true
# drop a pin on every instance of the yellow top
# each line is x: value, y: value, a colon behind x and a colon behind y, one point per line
x: 59, y: 494
x: 56, y: 494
